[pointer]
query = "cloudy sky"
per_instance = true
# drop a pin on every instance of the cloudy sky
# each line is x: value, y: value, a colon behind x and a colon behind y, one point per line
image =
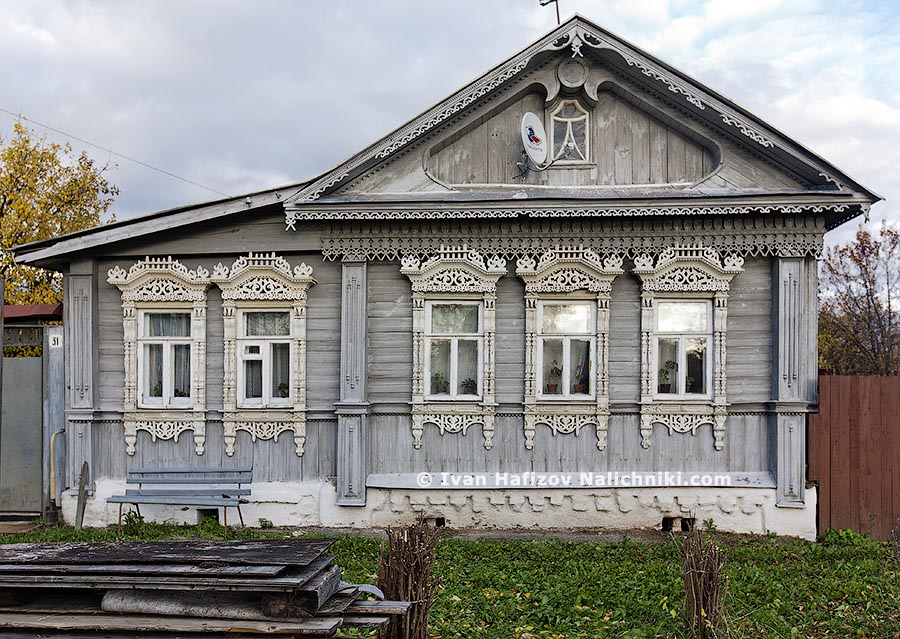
x: 241, y: 96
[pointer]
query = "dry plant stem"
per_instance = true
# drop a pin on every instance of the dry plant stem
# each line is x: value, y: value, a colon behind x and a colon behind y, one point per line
x: 405, y: 573
x: 705, y: 586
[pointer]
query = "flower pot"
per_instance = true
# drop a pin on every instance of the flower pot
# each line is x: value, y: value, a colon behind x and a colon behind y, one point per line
x: 470, y: 390
x: 665, y: 388
x: 580, y: 388
x: 441, y: 389
x: 553, y: 388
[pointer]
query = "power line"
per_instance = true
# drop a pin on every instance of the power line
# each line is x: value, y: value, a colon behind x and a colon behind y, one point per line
x: 111, y: 152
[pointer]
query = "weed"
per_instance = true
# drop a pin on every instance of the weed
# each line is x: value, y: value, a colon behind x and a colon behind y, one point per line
x: 265, y: 523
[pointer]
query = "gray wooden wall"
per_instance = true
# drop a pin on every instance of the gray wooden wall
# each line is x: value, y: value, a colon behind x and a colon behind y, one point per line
x: 749, y: 369
x: 748, y: 439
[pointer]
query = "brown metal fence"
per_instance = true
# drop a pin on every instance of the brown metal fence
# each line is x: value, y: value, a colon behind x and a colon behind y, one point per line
x: 854, y: 453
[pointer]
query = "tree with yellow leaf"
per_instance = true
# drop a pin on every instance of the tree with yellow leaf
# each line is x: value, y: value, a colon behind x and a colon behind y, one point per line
x: 45, y: 191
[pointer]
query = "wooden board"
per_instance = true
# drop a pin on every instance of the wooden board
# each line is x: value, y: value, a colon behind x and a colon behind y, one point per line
x: 293, y: 552
x: 320, y: 626
x: 202, y: 569
x: 379, y: 607
x: 292, y: 580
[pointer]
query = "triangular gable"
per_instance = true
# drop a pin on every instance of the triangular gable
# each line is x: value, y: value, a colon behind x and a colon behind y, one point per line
x: 575, y: 37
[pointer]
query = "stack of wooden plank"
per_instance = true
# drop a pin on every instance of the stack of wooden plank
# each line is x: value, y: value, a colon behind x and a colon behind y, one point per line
x: 181, y: 589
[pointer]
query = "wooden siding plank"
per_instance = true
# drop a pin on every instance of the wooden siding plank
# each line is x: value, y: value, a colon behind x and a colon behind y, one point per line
x: 640, y: 147
x: 675, y: 154
x: 659, y: 163
x: 621, y: 130
x: 603, y: 142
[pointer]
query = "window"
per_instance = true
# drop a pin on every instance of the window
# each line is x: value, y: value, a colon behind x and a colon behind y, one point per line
x: 566, y: 334
x: 264, y: 302
x: 165, y: 353
x: 571, y: 132
x: 264, y: 348
x: 684, y: 318
x: 164, y: 343
x: 454, y: 343
x: 683, y: 335
x: 454, y: 294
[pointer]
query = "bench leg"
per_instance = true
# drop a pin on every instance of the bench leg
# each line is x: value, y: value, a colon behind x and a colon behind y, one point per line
x: 225, y: 515
x: 120, y: 519
x: 240, y: 515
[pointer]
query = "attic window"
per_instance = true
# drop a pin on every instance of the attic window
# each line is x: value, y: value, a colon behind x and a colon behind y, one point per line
x: 570, y: 131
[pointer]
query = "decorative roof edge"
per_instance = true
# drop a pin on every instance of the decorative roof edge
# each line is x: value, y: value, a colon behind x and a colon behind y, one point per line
x: 575, y: 34
x: 845, y: 211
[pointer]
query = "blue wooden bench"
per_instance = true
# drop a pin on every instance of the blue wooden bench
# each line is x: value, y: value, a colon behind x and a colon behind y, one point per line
x: 191, y: 486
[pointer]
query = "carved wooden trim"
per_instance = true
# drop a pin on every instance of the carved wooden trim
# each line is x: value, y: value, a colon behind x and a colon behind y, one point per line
x: 259, y: 282
x: 558, y: 274
x: 162, y: 283
x: 573, y: 35
x: 456, y: 273
x: 697, y: 272
x: 268, y: 426
x: 750, y: 235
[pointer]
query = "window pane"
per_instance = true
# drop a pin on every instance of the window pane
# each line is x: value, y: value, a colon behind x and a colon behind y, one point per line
x: 154, y: 355
x: 454, y: 318
x: 580, y: 361
x: 253, y: 379
x: 675, y: 317
x: 562, y: 319
x: 552, y: 366
x: 696, y: 353
x: 440, y: 366
x: 167, y: 324
x: 269, y: 323
x: 667, y: 378
x: 181, y: 370
x: 281, y: 370
x: 467, y: 367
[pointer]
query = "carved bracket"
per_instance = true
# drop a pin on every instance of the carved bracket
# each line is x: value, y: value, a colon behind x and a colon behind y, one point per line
x: 166, y: 429
x: 680, y: 423
x: 456, y: 423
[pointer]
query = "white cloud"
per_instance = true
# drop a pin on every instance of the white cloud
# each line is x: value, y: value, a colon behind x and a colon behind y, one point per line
x: 245, y: 96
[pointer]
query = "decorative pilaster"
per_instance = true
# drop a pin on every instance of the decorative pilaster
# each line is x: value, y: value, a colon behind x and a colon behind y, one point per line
x: 80, y: 344
x: 352, y: 409
x: 795, y: 367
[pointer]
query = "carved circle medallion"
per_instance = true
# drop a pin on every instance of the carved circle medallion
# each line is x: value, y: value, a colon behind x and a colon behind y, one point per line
x: 572, y: 73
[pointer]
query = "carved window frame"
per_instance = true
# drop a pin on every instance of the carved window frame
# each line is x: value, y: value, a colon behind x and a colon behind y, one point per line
x: 453, y: 274
x: 568, y: 274
x: 264, y: 282
x: 166, y: 285
x: 555, y: 118
x: 684, y: 273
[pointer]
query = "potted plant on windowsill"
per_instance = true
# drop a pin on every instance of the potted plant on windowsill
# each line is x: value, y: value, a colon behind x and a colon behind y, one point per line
x: 665, y: 376
x: 470, y: 386
x: 283, y: 390
x: 439, y: 384
x: 553, y: 377
x: 579, y: 386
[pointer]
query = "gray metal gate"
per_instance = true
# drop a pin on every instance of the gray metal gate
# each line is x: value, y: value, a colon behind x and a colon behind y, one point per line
x: 32, y: 409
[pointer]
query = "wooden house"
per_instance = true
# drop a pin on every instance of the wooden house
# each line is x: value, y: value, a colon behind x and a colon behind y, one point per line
x: 623, y: 333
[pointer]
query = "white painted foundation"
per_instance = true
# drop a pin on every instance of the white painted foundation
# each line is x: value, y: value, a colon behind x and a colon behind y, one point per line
x: 741, y: 510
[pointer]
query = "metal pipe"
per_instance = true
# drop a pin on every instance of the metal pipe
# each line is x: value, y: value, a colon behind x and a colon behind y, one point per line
x: 53, y: 465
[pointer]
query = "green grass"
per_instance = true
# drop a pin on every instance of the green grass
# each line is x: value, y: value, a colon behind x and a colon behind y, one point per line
x: 844, y: 586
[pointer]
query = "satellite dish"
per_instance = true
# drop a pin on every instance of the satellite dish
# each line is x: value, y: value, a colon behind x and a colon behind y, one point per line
x: 534, y: 138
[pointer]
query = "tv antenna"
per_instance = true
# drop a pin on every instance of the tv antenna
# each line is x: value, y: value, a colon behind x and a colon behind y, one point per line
x: 536, y: 149
x: 544, y: 3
